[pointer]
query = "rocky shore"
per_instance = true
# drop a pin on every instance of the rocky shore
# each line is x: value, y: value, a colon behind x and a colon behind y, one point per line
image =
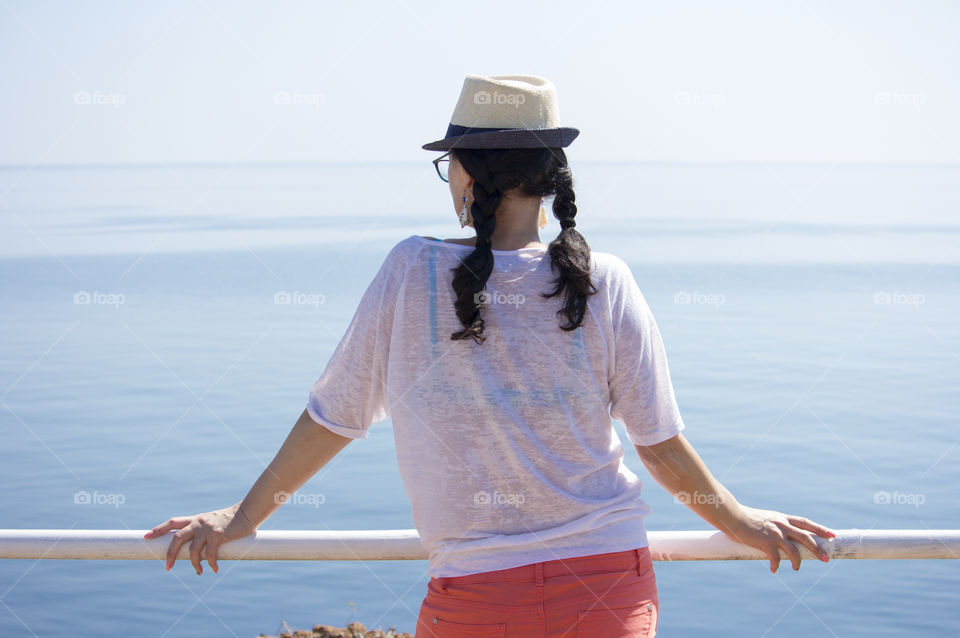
x: 353, y: 630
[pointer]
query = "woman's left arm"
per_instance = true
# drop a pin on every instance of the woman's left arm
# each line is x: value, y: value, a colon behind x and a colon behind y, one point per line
x: 677, y: 467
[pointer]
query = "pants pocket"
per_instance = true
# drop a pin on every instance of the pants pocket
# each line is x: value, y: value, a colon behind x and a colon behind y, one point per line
x: 437, y: 627
x: 638, y: 620
x: 446, y: 619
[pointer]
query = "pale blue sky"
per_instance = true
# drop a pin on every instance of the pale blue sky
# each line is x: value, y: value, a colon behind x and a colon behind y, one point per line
x: 679, y: 81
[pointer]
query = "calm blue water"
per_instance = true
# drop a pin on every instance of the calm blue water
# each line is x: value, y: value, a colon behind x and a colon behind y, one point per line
x: 179, y: 382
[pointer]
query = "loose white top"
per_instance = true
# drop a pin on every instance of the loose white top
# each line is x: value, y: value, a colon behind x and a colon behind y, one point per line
x: 506, y: 448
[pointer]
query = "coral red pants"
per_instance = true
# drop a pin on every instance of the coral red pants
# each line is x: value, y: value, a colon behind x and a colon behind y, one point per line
x: 604, y: 595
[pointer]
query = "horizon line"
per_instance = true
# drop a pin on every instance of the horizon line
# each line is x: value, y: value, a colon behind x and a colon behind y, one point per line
x: 211, y: 164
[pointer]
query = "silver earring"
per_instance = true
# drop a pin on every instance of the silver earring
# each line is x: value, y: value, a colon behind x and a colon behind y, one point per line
x: 463, y: 212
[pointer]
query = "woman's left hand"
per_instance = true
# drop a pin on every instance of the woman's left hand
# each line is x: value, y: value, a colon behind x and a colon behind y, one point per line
x: 769, y: 530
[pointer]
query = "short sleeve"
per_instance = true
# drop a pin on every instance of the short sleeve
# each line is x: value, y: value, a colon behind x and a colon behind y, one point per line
x: 351, y: 393
x: 641, y: 393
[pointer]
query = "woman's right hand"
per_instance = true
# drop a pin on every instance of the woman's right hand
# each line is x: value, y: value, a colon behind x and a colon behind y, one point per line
x: 768, y: 530
x: 207, y: 532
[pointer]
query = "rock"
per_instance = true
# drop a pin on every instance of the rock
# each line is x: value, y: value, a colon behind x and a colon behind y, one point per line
x: 353, y: 630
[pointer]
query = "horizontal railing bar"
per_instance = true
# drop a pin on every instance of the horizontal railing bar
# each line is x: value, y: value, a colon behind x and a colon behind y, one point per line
x: 404, y: 544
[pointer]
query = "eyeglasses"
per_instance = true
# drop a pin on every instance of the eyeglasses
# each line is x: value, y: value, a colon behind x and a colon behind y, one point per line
x: 442, y: 164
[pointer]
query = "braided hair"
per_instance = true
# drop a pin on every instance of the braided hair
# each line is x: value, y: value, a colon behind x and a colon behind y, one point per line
x: 538, y: 172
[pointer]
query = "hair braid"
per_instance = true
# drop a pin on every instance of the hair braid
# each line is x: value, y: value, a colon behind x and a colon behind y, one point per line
x: 569, y: 253
x: 471, y: 276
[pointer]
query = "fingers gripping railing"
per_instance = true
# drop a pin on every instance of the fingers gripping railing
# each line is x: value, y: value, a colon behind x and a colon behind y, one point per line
x: 96, y: 544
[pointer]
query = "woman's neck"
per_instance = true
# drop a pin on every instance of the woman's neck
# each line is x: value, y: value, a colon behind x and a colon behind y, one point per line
x: 516, y: 225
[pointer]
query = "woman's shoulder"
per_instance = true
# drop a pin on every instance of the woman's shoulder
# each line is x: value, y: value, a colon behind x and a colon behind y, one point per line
x: 608, y: 264
x: 461, y: 241
x: 406, y: 251
x: 403, y: 252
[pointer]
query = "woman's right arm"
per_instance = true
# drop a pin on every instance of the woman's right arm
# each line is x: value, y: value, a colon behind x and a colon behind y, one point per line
x: 677, y: 467
x: 307, y: 448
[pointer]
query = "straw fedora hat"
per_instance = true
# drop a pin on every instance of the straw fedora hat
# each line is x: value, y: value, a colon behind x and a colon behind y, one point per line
x: 505, y: 111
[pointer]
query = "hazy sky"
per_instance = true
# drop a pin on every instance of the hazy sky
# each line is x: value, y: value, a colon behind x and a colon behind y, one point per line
x: 119, y: 82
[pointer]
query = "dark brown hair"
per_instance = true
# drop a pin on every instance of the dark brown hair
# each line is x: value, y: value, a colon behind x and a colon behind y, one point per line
x: 538, y: 172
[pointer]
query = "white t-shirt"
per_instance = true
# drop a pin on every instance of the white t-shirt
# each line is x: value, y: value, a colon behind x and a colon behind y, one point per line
x: 506, y: 448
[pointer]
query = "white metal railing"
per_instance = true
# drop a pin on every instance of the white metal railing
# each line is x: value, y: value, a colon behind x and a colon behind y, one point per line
x: 404, y: 544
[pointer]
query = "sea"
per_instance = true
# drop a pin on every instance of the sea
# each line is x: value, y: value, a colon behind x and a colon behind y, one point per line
x: 162, y: 325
